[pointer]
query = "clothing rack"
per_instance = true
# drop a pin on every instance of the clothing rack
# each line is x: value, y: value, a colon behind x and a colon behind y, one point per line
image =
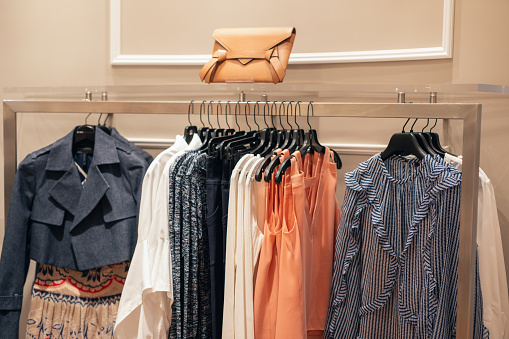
x: 470, y: 114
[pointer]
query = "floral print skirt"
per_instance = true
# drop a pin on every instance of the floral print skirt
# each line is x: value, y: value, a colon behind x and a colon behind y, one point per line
x: 75, y: 304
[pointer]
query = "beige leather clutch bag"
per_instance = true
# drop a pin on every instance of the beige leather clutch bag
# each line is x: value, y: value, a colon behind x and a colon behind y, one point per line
x: 249, y: 55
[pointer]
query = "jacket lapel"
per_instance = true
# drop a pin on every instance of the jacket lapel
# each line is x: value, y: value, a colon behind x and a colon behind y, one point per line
x: 93, y: 191
x: 105, y: 152
x: 68, y: 191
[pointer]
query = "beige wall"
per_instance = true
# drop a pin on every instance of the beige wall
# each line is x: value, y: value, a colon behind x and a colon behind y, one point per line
x: 63, y: 43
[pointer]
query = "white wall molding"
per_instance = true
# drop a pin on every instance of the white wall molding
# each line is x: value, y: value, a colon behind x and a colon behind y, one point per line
x: 342, y: 149
x: 435, y: 52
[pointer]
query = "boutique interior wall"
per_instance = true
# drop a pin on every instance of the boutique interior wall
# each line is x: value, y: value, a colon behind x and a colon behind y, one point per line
x: 58, y: 43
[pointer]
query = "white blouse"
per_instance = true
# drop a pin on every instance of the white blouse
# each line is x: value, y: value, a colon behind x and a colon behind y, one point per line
x: 145, y: 305
x: 492, y: 271
x: 231, y: 242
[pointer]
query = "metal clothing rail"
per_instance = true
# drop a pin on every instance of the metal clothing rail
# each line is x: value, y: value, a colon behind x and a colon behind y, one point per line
x: 470, y: 114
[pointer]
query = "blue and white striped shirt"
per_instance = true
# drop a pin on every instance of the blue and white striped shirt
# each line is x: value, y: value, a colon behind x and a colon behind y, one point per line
x: 396, y: 260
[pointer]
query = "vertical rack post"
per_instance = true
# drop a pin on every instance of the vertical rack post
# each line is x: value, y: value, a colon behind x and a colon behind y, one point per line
x: 10, y: 153
x: 468, y: 221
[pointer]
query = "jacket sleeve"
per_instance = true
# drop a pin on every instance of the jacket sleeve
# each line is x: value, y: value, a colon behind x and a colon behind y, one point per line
x: 15, y: 258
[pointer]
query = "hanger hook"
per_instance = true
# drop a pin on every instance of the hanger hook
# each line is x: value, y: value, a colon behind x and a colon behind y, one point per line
x: 227, y: 110
x: 312, y: 112
x: 289, y: 107
x: 403, y: 130
x: 297, y: 105
x: 209, y: 108
x: 107, y: 117
x: 86, y: 119
x: 202, y: 105
x: 208, y: 112
x: 217, y: 112
x: 279, y: 113
x: 271, y: 115
x: 188, y: 112
x: 264, y: 112
x: 256, y: 109
x: 427, y: 123
x: 237, y: 106
x: 436, y: 120
x: 412, y: 128
x: 247, y: 107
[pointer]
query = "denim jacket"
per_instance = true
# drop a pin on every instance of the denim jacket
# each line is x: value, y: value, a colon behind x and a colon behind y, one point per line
x: 55, y: 220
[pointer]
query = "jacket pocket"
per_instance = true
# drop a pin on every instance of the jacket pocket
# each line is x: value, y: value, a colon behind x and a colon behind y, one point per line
x: 46, y: 212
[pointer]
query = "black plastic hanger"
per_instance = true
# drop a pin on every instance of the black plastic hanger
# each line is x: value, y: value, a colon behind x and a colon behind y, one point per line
x: 236, y: 149
x: 427, y: 137
x: 297, y: 133
x: 403, y: 143
x: 202, y: 132
x: 229, y: 130
x: 83, y: 140
x: 311, y: 144
x: 287, y: 162
x: 105, y: 128
x: 273, y: 134
x: 261, y: 168
x: 282, y: 134
x: 84, y: 133
x: 435, y: 139
x: 267, y: 174
x: 215, y: 142
x: 219, y: 131
x: 268, y: 152
x: 290, y: 145
x: 251, y: 137
x: 211, y: 132
x: 209, y: 108
x: 300, y: 131
x: 269, y: 163
x: 422, y: 141
x: 256, y: 145
x: 291, y: 136
x: 222, y: 146
x: 265, y: 133
x: 190, y: 130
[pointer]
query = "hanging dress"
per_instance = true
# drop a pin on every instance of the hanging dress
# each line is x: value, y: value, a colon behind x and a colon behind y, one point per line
x: 75, y: 304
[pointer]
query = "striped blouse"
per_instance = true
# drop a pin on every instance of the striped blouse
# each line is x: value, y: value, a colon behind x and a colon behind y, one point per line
x: 396, y: 255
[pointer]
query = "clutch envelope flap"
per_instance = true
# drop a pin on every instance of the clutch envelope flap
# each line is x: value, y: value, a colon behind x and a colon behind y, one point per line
x: 252, y: 39
x: 245, y: 40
